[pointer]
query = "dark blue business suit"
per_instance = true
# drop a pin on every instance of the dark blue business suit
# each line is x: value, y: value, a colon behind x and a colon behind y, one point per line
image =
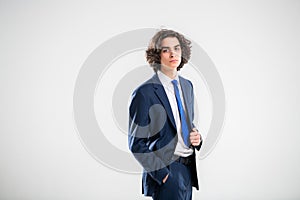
x: 152, y: 131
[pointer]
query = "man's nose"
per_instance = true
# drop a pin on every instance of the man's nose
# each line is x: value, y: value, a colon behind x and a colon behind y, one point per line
x: 172, y: 53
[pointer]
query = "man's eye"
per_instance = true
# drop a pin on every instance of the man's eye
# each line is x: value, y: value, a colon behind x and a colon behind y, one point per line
x: 165, y: 50
x: 177, y: 48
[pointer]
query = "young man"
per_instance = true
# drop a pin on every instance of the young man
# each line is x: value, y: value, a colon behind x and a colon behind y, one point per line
x: 162, y: 136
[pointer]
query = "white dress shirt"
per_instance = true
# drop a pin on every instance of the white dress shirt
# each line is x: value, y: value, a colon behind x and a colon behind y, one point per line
x: 181, y: 149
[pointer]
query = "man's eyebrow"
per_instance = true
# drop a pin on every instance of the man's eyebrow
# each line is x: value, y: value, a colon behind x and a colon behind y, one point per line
x: 169, y: 47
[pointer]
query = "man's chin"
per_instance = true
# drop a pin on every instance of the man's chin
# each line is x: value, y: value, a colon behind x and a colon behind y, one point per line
x: 172, y: 67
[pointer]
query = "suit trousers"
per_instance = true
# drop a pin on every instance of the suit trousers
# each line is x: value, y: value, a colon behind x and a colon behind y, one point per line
x: 178, y: 185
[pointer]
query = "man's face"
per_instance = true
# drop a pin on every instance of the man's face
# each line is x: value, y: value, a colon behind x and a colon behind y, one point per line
x: 170, y: 56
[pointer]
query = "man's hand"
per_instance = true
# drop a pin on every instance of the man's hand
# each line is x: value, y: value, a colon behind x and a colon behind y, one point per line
x: 165, y: 179
x: 195, y: 137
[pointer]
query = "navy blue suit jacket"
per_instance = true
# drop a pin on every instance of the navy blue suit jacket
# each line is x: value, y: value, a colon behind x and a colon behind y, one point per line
x: 152, y: 131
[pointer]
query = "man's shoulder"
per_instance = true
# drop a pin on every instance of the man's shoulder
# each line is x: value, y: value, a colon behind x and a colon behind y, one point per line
x: 147, y: 86
x: 186, y: 81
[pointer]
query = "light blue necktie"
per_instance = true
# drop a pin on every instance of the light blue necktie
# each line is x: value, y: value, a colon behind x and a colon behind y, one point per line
x: 184, y: 126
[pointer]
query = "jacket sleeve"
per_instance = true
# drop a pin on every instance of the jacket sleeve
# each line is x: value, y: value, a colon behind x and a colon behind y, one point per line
x: 193, y: 125
x: 138, y: 138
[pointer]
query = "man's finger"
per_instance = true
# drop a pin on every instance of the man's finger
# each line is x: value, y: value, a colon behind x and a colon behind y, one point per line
x: 193, y: 134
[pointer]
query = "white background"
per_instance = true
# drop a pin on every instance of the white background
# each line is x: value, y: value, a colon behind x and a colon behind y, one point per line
x: 254, y: 44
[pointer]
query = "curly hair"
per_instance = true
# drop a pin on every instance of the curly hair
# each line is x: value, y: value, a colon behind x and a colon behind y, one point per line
x: 154, y: 49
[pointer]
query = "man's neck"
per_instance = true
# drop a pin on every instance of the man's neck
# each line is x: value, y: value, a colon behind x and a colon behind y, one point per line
x: 170, y: 73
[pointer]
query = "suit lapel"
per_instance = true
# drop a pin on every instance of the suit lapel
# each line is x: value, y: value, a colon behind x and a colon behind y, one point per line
x: 161, y: 94
x: 185, y: 87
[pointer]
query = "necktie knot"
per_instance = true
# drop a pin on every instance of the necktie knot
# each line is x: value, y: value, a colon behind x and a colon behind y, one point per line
x: 175, y: 82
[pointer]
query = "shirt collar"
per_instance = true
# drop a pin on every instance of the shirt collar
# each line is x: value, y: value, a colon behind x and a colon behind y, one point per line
x: 165, y: 80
